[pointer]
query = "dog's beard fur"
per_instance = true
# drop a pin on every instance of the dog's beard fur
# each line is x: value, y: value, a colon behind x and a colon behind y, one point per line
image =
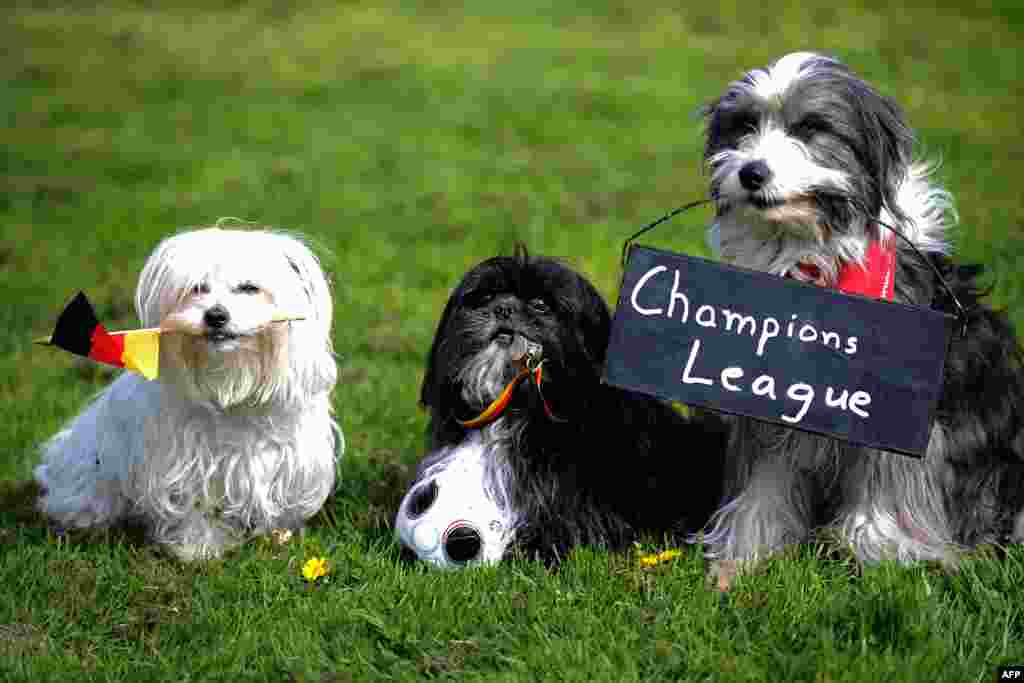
x: 819, y: 206
x: 486, y: 373
x: 253, y: 373
x: 236, y: 436
x: 609, y: 466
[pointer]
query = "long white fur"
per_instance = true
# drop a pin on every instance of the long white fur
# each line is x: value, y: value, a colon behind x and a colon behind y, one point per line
x: 233, y: 439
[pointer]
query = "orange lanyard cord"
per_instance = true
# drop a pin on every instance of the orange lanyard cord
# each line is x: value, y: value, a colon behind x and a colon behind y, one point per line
x: 498, y: 405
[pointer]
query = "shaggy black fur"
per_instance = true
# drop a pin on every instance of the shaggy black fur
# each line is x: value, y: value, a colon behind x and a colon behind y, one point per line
x: 620, y: 463
x: 982, y: 410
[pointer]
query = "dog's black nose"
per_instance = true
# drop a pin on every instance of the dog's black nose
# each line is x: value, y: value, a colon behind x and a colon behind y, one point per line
x: 462, y: 543
x: 216, y: 317
x: 754, y: 174
x: 504, y: 310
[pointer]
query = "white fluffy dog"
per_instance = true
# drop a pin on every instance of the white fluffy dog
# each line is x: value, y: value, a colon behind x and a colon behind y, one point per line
x: 235, y: 438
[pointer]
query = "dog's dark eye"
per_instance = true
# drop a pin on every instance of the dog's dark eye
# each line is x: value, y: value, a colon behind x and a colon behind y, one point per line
x: 538, y: 305
x: 478, y: 299
x: 808, y: 127
x: 201, y: 288
x: 247, y: 288
x: 743, y: 123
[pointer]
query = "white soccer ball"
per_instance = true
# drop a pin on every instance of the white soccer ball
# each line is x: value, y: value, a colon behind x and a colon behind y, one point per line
x: 455, y: 514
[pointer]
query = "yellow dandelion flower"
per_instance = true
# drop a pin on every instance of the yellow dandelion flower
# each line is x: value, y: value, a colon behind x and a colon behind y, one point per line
x: 654, y: 559
x: 315, y: 568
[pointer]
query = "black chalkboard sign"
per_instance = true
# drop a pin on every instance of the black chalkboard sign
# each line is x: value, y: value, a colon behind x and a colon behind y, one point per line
x: 749, y: 343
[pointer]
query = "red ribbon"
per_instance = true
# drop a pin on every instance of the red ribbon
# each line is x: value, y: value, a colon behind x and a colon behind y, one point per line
x: 876, y: 278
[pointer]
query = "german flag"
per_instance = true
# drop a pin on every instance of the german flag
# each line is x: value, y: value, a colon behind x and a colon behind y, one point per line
x: 79, y: 332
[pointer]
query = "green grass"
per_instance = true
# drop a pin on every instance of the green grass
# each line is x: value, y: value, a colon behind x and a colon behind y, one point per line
x: 411, y: 141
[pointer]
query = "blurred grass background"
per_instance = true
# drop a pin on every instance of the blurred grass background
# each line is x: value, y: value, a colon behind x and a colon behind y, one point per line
x: 410, y: 141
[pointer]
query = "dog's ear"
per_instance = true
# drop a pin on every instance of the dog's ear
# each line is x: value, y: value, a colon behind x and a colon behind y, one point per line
x: 889, y: 146
x: 594, y: 324
x: 310, y: 275
x: 296, y: 253
x: 709, y: 114
x: 430, y: 390
x: 298, y: 271
x: 311, y: 360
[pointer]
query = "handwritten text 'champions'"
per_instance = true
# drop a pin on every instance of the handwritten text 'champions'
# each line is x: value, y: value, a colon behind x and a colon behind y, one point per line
x: 763, y: 331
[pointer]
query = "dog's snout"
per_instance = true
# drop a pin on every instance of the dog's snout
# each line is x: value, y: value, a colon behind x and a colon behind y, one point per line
x: 504, y: 310
x: 754, y: 174
x: 216, y: 317
x: 462, y: 543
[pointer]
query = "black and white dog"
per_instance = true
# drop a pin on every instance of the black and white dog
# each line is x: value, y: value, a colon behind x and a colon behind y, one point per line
x: 528, y: 446
x: 806, y: 160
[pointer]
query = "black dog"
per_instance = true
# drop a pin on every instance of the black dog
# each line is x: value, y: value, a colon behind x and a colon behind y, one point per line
x: 568, y: 460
